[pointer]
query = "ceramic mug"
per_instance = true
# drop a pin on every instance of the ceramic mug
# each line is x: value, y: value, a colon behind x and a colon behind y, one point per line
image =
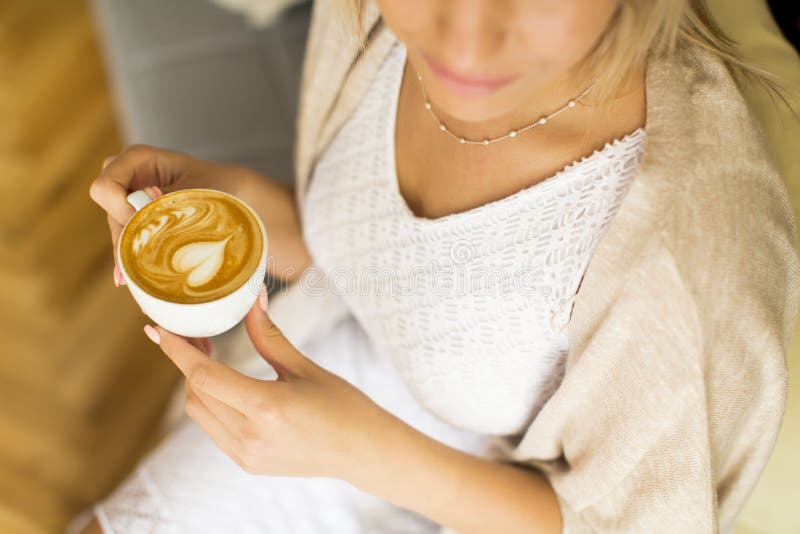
x: 202, y: 319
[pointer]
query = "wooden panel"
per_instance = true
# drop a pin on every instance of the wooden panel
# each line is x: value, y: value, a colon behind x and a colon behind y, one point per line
x: 81, y: 388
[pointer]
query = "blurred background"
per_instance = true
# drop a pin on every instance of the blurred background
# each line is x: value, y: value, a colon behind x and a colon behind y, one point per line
x: 83, y: 394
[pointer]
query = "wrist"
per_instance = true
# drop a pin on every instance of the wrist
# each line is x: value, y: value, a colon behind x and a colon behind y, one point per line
x: 236, y: 180
x: 401, y: 464
x: 365, y: 448
x: 204, y: 174
x: 380, y: 439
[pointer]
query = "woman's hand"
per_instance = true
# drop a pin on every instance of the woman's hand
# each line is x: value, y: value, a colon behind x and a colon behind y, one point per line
x: 160, y: 171
x: 307, y: 422
x: 311, y: 423
x: 156, y: 171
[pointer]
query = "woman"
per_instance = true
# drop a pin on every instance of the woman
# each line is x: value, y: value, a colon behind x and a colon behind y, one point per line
x: 576, y: 324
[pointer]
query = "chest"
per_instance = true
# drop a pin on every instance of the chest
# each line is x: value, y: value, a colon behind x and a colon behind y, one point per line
x: 436, y: 176
x: 470, y: 306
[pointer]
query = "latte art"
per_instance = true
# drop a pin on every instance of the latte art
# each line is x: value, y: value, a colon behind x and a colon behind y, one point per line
x: 191, y: 246
x: 201, y: 260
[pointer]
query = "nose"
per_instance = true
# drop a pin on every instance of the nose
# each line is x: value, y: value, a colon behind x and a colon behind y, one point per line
x: 470, y: 33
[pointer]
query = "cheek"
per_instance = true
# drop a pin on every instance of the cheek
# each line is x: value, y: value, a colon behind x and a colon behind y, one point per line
x: 407, y: 17
x: 553, y: 39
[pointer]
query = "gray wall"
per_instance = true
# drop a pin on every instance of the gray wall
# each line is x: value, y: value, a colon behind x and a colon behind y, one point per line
x: 191, y: 76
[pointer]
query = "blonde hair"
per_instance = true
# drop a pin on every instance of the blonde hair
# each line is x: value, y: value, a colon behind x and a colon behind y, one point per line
x: 657, y: 27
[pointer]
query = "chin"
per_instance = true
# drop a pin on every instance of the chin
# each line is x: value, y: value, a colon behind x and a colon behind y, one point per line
x: 474, y: 110
x: 454, y: 100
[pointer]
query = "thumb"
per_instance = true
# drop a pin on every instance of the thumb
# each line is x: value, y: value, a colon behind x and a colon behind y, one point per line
x: 270, y: 342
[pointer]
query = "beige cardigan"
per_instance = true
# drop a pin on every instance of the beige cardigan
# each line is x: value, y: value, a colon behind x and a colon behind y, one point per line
x: 676, y: 378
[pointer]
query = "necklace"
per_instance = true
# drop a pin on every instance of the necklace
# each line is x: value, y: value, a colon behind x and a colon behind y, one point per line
x: 511, y: 133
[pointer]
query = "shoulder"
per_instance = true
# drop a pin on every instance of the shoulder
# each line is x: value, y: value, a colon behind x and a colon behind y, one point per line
x: 691, y: 296
x: 730, y: 229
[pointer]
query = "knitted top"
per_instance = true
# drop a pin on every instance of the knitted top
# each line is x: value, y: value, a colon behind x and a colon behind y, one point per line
x: 470, y: 307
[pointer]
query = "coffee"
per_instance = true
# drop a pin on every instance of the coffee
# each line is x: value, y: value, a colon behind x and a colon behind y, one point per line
x: 191, y: 246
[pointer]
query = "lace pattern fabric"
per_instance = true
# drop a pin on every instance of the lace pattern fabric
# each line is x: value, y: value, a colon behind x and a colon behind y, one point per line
x: 472, y: 307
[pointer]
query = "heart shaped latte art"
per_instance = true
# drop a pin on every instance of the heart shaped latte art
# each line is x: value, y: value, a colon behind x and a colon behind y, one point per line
x: 192, y: 246
x: 202, y: 260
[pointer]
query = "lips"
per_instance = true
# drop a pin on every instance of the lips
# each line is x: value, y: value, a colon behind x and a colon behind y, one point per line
x: 469, y: 86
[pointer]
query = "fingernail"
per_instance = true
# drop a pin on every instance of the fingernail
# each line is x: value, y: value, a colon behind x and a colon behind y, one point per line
x: 119, y: 280
x: 157, y: 191
x: 262, y: 297
x: 152, y: 333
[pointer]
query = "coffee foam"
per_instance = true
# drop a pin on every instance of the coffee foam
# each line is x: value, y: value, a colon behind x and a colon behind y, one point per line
x: 191, y: 246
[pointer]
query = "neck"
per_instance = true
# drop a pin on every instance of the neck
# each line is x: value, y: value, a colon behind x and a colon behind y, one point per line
x: 539, y: 102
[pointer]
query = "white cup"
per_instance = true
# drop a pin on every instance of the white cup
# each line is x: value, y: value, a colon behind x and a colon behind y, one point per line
x: 202, y: 319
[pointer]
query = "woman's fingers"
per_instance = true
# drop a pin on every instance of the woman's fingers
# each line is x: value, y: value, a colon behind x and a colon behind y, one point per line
x: 202, y: 343
x: 233, y: 420
x: 210, y: 376
x: 136, y: 167
x: 110, y: 189
x: 203, y: 380
x: 115, y: 229
x: 271, y: 344
x: 203, y: 416
x: 207, y: 345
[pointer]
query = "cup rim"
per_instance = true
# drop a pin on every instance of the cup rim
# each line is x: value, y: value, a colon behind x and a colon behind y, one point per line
x: 262, y: 256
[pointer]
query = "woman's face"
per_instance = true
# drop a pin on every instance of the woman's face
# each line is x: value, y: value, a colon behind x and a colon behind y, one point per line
x: 482, y: 59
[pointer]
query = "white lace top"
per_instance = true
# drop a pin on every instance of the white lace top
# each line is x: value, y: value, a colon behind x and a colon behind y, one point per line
x: 471, y: 308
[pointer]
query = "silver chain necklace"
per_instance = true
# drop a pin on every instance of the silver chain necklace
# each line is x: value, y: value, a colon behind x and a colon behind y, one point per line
x: 511, y: 133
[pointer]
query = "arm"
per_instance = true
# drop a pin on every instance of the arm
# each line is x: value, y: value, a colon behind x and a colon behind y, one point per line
x: 466, y: 493
x: 274, y: 203
x: 140, y: 166
x: 311, y: 422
